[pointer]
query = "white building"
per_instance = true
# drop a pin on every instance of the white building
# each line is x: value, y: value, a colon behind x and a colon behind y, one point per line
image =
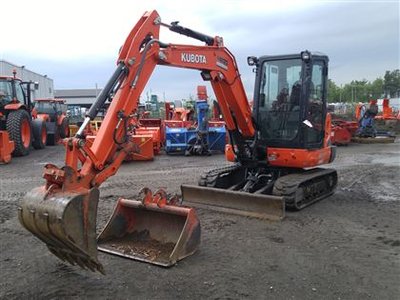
x: 78, y: 97
x: 46, y: 85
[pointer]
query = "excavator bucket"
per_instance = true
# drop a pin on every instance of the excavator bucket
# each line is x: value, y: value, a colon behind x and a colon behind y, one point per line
x: 65, y: 222
x: 153, y: 230
x: 240, y: 203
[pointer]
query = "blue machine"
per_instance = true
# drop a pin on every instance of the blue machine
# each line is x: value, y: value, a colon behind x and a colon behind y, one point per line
x: 366, y: 123
x: 197, y: 141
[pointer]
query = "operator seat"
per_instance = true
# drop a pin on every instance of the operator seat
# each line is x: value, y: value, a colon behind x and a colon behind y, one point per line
x: 295, y: 97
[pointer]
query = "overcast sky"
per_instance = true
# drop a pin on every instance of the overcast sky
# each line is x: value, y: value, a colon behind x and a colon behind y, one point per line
x: 76, y: 42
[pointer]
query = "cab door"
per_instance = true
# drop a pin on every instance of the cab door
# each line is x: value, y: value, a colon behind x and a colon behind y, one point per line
x: 315, y: 105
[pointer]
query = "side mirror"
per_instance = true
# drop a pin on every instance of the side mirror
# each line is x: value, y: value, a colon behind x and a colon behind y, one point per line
x: 252, y: 60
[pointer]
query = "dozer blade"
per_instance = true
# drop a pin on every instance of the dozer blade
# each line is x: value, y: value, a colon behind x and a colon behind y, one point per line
x: 234, y: 202
x: 148, y: 232
x: 65, y: 222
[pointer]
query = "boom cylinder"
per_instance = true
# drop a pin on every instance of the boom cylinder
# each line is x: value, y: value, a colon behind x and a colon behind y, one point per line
x: 105, y: 93
x: 209, y: 40
x: 102, y: 98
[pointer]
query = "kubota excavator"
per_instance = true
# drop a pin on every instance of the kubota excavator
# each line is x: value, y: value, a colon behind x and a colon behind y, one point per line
x: 275, y: 149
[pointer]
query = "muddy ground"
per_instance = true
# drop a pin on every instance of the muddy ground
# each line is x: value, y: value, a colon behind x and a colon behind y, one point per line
x: 344, y: 247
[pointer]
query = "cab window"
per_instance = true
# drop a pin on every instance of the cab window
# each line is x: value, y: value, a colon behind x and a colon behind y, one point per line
x: 279, y: 103
x: 19, y: 93
x: 5, y: 91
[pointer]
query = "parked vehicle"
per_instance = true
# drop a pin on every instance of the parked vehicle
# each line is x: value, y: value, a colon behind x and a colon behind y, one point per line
x: 54, y: 113
x: 19, y: 126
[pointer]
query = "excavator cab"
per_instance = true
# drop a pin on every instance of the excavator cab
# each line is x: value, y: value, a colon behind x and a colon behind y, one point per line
x: 292, y: 139
x: 290, y: 100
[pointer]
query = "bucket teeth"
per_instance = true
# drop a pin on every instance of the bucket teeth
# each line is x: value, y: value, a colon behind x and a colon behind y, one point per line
x: 82, y: 260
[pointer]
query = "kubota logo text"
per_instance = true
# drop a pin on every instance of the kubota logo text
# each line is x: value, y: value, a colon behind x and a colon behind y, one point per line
x: 193, y: 58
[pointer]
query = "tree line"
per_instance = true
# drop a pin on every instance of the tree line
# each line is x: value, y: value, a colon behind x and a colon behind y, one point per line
x: 364, y: 90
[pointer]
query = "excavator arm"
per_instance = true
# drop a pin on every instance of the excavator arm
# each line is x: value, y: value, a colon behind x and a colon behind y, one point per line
x: 62, y: 213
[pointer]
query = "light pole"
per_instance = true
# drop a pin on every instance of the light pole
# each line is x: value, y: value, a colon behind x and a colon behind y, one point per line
x: 352, y: 94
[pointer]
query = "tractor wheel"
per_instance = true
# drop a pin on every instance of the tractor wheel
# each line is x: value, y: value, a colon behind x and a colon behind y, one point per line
x: 20, y: 131
x: 64, y: 128
x: 39, y: 134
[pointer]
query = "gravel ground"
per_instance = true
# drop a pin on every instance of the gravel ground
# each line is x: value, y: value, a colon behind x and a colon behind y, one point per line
x: 344, y: 247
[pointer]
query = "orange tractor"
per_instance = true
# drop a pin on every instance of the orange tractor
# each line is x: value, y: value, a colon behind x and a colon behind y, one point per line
x: 19, y: 126
x: 387, y: 111
x: 276, y: 149
x: 54, y: 113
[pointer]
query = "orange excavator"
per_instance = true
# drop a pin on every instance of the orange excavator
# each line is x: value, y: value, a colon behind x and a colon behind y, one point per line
x: 275, y: 150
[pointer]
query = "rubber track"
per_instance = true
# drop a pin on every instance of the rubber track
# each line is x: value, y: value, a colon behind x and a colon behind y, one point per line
x: 288, y: 185
x: 285, y: 186
x: 209, y: 178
